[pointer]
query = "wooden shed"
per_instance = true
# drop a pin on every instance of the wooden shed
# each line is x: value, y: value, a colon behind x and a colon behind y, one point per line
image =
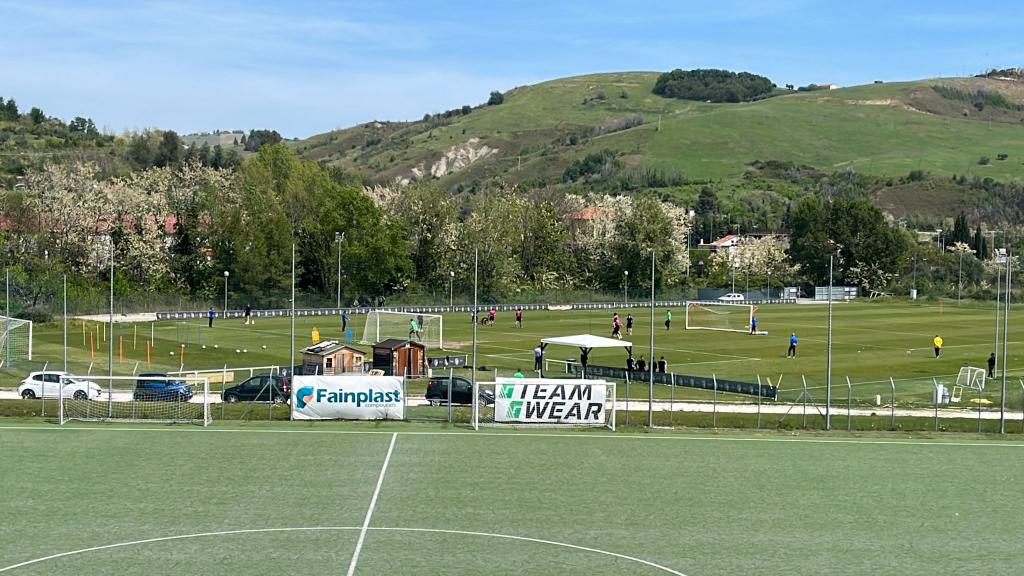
x: 331, y: 357
x: 397, y: 357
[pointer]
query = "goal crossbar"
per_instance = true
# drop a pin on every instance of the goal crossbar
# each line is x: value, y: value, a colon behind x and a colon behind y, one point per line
x: 724, y: 316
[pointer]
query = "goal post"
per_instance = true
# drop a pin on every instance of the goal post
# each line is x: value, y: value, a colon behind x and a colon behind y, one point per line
x: 724, y: 316
x: 15, y: 340
x: 383, y: 324
x: 157, y: 399
x: 544, y: 403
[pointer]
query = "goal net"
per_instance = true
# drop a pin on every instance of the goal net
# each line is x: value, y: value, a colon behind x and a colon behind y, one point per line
x: 141, y: 399
x: 15, y: 340
x: 719, y: 316
x: 544, y: 403
x: 383, y: 324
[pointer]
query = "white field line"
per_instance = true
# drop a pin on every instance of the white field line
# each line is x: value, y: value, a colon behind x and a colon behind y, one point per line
x: 521, y: 434
x: 373, y: 504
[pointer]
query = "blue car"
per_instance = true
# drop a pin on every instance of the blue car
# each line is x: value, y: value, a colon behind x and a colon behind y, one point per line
x: 159, y: 386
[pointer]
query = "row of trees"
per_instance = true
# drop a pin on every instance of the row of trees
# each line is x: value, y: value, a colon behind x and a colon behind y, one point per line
x: 713, y: 85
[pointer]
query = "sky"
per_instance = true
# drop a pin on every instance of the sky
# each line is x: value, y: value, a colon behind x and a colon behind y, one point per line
x: 304, y: 67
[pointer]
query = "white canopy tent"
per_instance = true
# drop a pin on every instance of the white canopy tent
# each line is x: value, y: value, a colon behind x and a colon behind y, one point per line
x: 586, y: 343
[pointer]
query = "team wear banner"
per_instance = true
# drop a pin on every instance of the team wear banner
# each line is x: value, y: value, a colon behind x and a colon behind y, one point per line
x: 353, y: 397
x: 548, y: 401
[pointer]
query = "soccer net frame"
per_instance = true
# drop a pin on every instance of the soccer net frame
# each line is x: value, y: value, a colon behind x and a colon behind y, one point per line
x: 722, y: 316
x: 968, y: 377
x: 120, y: 403
x: 383, y: 324
x: 484, y: 413
x: 15, y: 340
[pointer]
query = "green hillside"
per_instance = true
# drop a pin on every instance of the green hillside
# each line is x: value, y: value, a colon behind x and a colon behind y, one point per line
x: 877, y: 129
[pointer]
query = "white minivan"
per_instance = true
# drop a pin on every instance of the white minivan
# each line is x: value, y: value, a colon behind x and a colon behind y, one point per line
x: 732, y: 297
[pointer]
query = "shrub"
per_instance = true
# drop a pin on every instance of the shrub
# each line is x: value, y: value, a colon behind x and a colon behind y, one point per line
x: 712, y: 85
x: 496, y: 98
x: 984, y: 161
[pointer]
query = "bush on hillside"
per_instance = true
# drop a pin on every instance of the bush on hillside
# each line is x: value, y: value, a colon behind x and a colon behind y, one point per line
x: 496, y: 98
x: 712, y: 85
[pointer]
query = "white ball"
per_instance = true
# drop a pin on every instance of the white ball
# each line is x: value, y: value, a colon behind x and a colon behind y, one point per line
x: 172, y: 353
x: 245, y: 350
x: 237, y: 351
x: 216, y: 346
x: 264, y: 346
x: 204, y: 346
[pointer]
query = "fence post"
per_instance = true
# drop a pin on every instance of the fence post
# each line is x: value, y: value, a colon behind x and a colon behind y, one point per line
x: 938, y: 396
x: 223, y: 380
x: 849, y: 404
x: 979, y: 409
x: 1021, y: 380
x: 758, y: 401
x: 451, y: 381
x: 804, y: 396
x: 892, y: 407
x: 627, y: 398
x: 714, y: 406
x: 672, y: 400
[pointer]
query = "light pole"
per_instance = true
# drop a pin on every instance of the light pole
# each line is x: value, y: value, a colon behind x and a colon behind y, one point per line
x: 625, y: 287
x: 913, y: 284
x: 451, y: 288
x: 339, y: 237
x: 226, y: 274
x: 960, y: 278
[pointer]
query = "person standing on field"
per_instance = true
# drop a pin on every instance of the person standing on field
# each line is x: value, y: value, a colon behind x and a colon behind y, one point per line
x: 248, y: 313
x: 753, y: 325
x: 519, y: 317
x: 668, y: 320
x: 538, y: 358
x: 629, y: 323
x: 344, y: 321
x: 992, y: 365
x: 210, y: 316
x: 791, y: 353
x: 938, y: 345
x: 413, y: 329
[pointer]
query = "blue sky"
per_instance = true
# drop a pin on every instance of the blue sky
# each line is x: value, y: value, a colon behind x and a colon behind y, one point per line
x: 304, y: 67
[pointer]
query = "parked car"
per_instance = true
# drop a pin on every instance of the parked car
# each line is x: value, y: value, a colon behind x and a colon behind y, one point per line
x: 732, y: 297
x: 258, y: 389
x: 462, y: 391
x: 47, y: 384
x: 160, y: 386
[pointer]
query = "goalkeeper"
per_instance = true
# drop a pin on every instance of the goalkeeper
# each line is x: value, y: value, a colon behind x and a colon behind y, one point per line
x: 414, y: 329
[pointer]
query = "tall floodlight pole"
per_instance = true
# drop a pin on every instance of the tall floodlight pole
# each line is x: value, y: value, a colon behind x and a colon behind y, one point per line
x: 1006, y: 320
x: 7, y: 316
x: 110, y: 339
x: 650, y: 381
x: 1000, y: 258
x: 65, y: 323
x: 339, y: 237
x: 451, y: 289
x: 291, y: 349
x: 226, y: 274
x: 960, y: 278
x: 828, y: 368
x: 476, y: 321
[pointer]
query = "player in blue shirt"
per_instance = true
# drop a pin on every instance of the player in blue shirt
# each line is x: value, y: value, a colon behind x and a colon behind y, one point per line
x: 792, y: 346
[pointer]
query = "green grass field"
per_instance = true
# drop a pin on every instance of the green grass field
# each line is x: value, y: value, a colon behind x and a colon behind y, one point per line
x: 293, y: 499
x: 872, y: 341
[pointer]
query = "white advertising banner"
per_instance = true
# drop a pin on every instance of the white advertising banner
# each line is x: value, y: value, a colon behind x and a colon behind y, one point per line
x: 353, y: 397
x: 550, y: 401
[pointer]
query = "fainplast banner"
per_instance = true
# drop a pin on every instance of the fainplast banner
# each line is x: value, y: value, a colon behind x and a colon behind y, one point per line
x: 352, y: 397
x: 549, y: 401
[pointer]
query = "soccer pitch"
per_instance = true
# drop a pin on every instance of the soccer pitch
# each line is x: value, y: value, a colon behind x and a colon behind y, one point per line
x: 872, y: 342
x: 408, y: 499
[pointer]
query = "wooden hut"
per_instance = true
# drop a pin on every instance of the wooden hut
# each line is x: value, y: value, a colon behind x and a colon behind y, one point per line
x: 330, y: 357
x: 397, y: 357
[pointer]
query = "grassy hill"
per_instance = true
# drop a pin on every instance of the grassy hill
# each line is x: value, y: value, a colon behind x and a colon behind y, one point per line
x: 877, y: 129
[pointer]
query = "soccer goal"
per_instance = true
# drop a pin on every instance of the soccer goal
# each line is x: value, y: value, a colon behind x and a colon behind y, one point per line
x: 968, y: 377
x: 15, y: 340
x: 719, y: 316
x: 383, y: 324
x: 164, y: 399
x: 544, y: 403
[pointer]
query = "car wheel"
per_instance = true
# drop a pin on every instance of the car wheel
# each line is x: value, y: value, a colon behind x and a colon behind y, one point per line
x: 28, y: 395
x: 278, y: 399
x: 80, y: 395
x: 231, y: 399
x: 434, y: 402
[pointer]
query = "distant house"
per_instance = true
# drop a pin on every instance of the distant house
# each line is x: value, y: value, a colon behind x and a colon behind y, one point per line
x: 593, y: 221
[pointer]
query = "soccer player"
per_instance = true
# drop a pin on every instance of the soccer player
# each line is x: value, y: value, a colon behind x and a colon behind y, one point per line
x: 538, y: 358
x: 344, y: 321
x: 792, y: 346
x: 210, y: 315
x: 629, y: 323
x: 668, y: 320
x: 413, y: 329
x: 519, y: 317
x: 248, y: 314
x: 492, y: 316
x: 938, y: 345
x: 753, y: 325
x: 992, y: 365
x: 518, y: 374
x: 616, y: 326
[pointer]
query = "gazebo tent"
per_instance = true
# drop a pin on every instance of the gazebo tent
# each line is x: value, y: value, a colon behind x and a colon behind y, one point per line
x: 586, y: 343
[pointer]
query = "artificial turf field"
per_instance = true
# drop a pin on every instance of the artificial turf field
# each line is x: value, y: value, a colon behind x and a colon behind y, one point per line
x: 293, y: 499
x: 872, y: 341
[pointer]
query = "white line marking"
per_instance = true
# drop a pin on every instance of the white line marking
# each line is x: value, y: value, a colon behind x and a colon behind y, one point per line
x: 328, y: 528
x: 572, y: 435
x: 373, y: 504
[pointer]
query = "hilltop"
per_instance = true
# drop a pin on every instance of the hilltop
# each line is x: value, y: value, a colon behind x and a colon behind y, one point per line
x: 942, y: 126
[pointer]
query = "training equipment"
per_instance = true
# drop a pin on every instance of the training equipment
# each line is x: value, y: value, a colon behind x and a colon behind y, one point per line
x: 968, y: 377
x: 383, y: 324
x: 728, y: 317
x: 15, y: 340
x: 154, y: 398
x: 544, y: 403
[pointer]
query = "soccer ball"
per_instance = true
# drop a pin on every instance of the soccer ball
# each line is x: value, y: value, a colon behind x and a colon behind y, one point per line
x: 172, y: 353
x: 237, y: 351
x: 245, y: 350
x: 204, y: 346
x: 215, y: 346
x: 264, y: 346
